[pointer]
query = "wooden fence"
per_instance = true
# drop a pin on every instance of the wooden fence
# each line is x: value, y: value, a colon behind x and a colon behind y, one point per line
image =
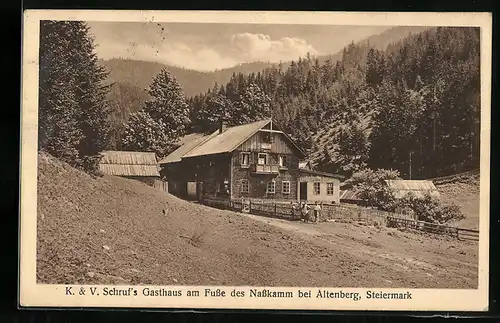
x: 341, y: 213
x: 459, y: 233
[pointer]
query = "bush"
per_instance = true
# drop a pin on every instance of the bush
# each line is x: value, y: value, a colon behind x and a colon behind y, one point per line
x: 90, y: 164
x: 431, y: 209
x: 370, y: 187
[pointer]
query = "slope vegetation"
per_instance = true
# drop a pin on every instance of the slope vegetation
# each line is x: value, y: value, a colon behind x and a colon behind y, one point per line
x: 463, y: 190
x: 114, y: 230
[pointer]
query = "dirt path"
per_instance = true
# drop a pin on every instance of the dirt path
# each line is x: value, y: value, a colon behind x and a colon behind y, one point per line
x: 432, y: 256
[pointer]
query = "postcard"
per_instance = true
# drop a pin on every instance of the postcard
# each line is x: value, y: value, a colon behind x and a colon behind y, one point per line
x: 255, y: 160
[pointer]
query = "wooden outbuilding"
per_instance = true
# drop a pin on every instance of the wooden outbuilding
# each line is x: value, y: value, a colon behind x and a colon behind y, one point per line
x: 350, y: 196
x: 141, y: 166
x: 399, y: 188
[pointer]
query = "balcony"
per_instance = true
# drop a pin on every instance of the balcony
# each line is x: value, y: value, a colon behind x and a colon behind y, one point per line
x: 265, y: 169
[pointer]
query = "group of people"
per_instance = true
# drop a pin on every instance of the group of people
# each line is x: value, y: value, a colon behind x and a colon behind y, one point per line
x: 304, y: 209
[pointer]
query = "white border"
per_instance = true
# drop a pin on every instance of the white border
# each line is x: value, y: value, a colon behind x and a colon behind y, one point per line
x: 33, y: 294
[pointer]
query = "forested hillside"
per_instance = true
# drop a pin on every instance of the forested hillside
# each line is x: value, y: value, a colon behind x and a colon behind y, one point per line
x: 124, y: 99
x: 140, y: 74
x: 131, y: 79
x: 413, y: 107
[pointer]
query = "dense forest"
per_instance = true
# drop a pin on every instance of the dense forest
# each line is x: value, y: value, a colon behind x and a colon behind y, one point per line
x: 130, y: 79
x: 413, y: 107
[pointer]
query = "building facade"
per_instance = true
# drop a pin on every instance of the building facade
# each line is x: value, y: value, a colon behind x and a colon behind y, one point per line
x: 252, y: 161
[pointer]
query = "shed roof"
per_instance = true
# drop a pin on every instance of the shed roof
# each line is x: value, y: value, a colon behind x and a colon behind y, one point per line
x: 349, y: 195
x: 418, y: 187
x: 129, y: 163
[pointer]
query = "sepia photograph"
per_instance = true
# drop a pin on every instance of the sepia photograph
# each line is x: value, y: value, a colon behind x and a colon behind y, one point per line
x: 287, y: 162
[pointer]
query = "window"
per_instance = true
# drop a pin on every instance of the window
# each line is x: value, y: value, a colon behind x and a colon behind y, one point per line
x: 267, y: 138
x: 262, y: 160
x: 316, y: 188
x: 271, y: 187
x: 329, y: 188
x: 283, y: 161
x: 244, y: 186
x: 245, y: 159
x: 286, y: 187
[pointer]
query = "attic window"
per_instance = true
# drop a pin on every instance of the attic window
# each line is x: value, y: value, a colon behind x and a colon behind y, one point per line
x: 267, y: 138
x: 262, y: 159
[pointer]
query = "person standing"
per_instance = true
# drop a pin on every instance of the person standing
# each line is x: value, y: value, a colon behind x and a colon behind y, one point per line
x: 317, y: 212
x: 305, y: 211
x: 293, y: 209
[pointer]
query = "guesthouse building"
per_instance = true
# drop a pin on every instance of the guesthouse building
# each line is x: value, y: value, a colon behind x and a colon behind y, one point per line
x: 251, y: 161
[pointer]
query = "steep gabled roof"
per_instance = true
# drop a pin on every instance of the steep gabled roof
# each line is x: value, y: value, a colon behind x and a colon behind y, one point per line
x: 128, y: 163
x: 228, y: 140
x: 195, y: 145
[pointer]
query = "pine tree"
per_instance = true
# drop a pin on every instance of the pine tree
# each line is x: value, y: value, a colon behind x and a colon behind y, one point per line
x: 253, y: 105
x: 58, y: 131
x: 91, y: 91
x: 143, y: 133
x: 73, y: 112
x: 168, y: 103
x: 164, y: 119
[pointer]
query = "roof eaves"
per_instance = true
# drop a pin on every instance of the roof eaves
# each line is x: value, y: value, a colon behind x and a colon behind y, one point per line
x: 208, y: 137
x: 177, y: 160
x: 315, y: 172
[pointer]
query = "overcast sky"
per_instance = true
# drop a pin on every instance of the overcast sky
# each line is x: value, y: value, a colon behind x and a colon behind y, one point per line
x: 206, y: 47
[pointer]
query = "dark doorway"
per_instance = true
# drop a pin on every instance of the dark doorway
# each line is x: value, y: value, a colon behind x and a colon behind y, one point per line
x: 303, y: 191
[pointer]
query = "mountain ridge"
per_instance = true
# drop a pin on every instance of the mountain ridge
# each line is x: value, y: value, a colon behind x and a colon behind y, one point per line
x: 139, y: 73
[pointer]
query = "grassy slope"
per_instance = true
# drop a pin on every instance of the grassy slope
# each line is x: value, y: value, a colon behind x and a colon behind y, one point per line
x: 462, y: 189
x: 80, y: 218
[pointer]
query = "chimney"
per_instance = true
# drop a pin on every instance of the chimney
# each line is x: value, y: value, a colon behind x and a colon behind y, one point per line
x: 222, y: 126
